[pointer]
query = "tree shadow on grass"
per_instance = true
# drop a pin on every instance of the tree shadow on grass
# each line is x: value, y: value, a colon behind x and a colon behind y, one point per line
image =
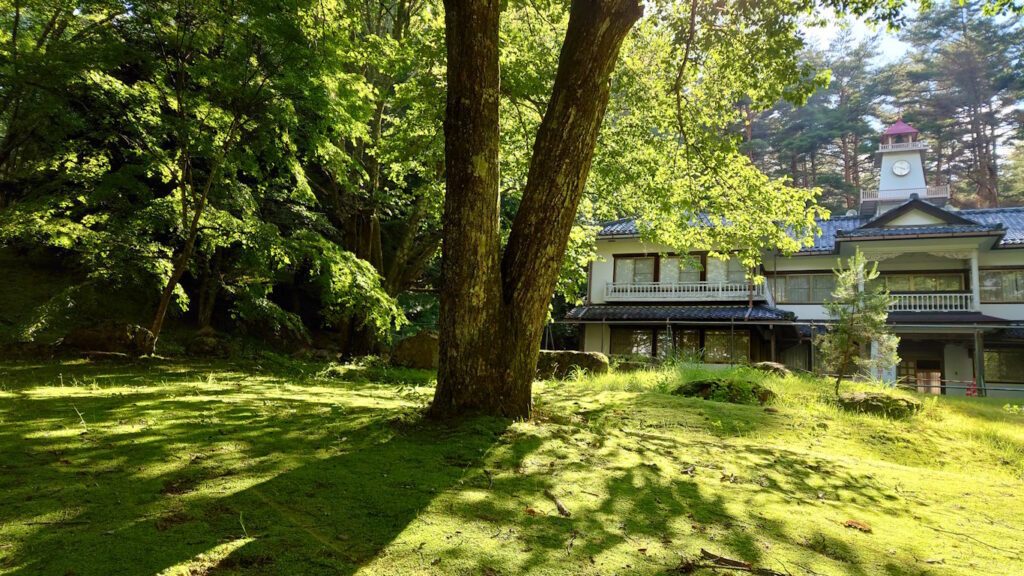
x: 234, y: 483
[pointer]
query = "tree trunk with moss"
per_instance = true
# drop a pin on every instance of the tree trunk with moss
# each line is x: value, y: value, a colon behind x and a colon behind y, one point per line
x: 493, y: 305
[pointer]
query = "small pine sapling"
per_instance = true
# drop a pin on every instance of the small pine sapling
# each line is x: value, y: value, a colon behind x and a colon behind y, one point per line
x: 859, y: 308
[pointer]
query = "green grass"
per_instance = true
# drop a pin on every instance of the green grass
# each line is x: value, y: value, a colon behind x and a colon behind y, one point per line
x: 285, y: 468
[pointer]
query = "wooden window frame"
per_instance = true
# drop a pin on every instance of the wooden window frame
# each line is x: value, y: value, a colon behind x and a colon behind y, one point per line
x: 701, y: 257
x: 933, y: 273
x: 981, y: 292
x: 810, y: 287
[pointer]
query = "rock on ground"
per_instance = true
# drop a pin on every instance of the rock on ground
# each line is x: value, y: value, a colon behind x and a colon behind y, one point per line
x: 417, y: 351
x: 111, y: 336
x: 773, y: 368
x: 879, y: 403
x: 562, y: 363
x: 208, y: 343
x: 734, y: 391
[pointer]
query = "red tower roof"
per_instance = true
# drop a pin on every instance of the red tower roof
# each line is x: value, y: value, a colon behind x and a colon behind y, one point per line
x: 900, y: 127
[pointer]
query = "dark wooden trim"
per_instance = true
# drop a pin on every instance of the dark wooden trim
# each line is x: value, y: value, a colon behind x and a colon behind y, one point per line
x: 808, y: 273
x: 921, y: 206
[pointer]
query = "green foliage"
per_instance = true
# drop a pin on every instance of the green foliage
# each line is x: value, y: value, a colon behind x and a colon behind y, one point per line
x: 194, y: 108
x: 858, y: 335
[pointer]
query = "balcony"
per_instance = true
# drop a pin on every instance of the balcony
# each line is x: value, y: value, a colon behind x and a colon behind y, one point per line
x: 940, y: 191
x: 686, y: 291
x: 902, y: 146
x: 945, y: 302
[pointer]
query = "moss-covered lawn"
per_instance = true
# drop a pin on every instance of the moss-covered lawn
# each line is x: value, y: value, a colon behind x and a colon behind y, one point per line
x: 177, y: 468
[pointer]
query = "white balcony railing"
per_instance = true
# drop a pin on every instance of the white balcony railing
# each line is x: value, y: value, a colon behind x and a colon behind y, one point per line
x: 939, y: 191
x: 948, y: 302
x: 692, y: 291
x: 902, y: 146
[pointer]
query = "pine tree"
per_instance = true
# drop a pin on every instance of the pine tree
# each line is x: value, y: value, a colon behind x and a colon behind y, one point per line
x: 859, y: 308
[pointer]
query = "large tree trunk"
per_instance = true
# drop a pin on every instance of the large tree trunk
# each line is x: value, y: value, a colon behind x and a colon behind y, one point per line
x: 470, y: 376
x: 493, y: 311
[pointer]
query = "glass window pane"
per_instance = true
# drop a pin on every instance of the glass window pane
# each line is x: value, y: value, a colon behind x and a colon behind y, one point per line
x: 741, y: 348
x: 690, y: 270
x: 949, y: 283
x: 664, y: 343
x: 643, y: 270
x: 898, y: 283
x: 726, y: 346
x: 924, y: 283
x: 687, y: 343
x: 799, y: 289
x: 736, y: 272
x: 822, y: 287
x: 716, y: 346
x: 1004, y: 366
x: 623, y: 269
x: 629, y: 341
x: 1013, y: 286
x: 669, y: 269
x: 991, y: 286
x: 778, y: 284
x: 717, y: 270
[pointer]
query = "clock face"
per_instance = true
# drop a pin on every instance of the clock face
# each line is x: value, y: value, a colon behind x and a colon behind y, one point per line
x: 901, y: 168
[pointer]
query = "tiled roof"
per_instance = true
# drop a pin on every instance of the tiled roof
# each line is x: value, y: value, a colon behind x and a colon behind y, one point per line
x: 916, y: 230
x: 900, y: 127
x: 987, y: 219
x: 620, y: 227
x: 1011, y: 218
x: 677, y: 313
x: 1012, y: 333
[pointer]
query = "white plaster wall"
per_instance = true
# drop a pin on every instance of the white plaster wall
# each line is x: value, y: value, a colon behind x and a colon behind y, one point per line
x: 1001, y: 257
x: 958, y: 367
x: 805, y: 311
x: 800, y: 263
x: 920, y: 262
x: 602, y: 270
x: 1004, y: 311
x: 889, y: 184
x: 914, y: 218
x: 596, y: 338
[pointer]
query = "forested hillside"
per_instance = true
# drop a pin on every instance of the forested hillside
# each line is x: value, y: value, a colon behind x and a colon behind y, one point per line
x: 276, y: 169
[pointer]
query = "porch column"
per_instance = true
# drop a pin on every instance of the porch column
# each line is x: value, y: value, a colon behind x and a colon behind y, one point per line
x: 772, y: 332
x: 979, y: 362
x: 975, y: 282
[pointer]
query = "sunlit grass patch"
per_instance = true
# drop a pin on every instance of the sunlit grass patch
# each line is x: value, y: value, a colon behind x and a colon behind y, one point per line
x: 287, y: 467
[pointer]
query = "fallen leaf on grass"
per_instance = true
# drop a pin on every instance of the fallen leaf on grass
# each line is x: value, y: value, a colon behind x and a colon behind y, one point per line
x: 858, y: 525
x: 531, y: 511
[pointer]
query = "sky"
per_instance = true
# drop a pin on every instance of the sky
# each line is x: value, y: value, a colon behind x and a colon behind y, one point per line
x: 890, y: 47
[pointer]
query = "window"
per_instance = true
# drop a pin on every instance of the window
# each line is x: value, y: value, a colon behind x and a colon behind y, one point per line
x: 660, y: 342
x: 1005, y: 366
x: 634, y: 269
x: 1002, y: 285
x: 726, y: 347
x: 923, y: 282
x: 730, y: 270
x: 804, y: 288
x: 678, y: 342
x: 674, y: 270
x: 631, y: 341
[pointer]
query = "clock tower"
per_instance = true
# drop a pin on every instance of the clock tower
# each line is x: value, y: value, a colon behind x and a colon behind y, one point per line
x: 900, y: 159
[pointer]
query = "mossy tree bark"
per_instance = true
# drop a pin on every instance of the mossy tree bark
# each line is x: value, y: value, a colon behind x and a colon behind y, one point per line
x: 493, y: 304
